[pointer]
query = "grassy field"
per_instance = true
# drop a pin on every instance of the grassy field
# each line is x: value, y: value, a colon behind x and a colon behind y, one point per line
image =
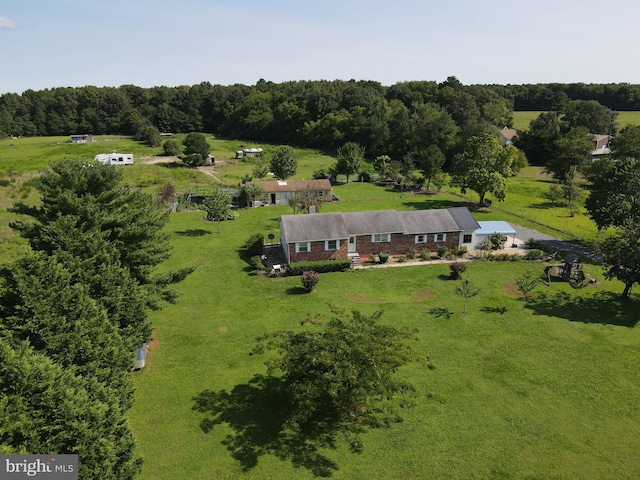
x: 525, y: 204
x: 545, y: 392
x: 521, y: 120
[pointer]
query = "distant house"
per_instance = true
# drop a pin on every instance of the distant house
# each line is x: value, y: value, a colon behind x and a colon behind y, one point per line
x: 507, y: 135
x: 279, y: 192
x: 601, y: 144
x: 87, y: 137
x: 327, y: 236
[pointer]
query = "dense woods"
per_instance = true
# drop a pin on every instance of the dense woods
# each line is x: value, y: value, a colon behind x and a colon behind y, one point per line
x: 399, y: 120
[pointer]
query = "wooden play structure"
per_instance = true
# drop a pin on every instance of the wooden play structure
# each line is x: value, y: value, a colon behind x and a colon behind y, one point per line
x: 571, y: 269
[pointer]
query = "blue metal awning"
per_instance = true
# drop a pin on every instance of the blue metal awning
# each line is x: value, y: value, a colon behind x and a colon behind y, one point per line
x: 487, y: 228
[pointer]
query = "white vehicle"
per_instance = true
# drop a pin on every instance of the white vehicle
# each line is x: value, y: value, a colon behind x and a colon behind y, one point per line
x: 114, y: 158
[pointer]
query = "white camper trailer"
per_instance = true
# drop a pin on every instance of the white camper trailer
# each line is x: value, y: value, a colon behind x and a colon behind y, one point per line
x: 114, y: 158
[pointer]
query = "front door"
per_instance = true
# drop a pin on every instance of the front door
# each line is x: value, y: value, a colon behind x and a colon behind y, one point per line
x: 352, y: 245
x: 273, y: 199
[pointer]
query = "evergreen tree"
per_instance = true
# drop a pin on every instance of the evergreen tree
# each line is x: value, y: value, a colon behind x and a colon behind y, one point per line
x: 48, y: 408
x: 85, y: 209
x: 196, y: 149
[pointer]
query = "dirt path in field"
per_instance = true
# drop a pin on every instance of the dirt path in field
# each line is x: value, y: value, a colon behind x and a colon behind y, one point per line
x: 207, y: 170
x: 156, y: 159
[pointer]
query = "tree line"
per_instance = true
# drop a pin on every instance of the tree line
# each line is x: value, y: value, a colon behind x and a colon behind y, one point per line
x: 555, y: 96
x: 323, y: 114
x: 73, y: 312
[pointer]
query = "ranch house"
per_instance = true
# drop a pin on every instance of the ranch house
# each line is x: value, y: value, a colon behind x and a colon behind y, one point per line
x: 279, y: 192
x: 329, y: 236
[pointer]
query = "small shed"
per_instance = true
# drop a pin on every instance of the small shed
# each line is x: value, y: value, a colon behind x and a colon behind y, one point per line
x: 84, y: 138
x: 491, y: 227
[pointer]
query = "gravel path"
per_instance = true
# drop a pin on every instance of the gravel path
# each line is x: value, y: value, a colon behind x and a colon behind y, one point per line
x: 523, y: 234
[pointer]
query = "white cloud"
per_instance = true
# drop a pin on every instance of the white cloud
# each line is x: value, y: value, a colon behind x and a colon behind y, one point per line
x: 7, y: 23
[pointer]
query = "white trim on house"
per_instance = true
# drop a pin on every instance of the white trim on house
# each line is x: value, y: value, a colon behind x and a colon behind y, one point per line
x: 380, y: 237
x: 306, y: 249
x: 421, y: 238
x: 327, y: 246
x: 440, y: 237
x: 351, y: 247
x: 468, y: 234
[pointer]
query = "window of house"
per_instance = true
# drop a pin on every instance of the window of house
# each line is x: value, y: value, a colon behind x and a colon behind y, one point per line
x: 320, y: 193
x: 439, y: 237
x: 421, y: 239
x: 303, y: 247
x: 380, y: 237
x: 466, y: 238
x: 332, y: 245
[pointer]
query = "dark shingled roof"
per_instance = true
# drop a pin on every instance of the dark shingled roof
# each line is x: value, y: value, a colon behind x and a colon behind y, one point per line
x: 428, y: 221
x: 463, y: 218
x: 333, y: 226
x: 313, y: 227
x: 377, y: 221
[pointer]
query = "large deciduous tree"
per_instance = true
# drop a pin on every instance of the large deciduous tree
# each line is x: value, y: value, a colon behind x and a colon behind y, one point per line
x: 429, y: 161
x: 614, y: 195
x: 569, y: 151
x: 284, y: 163
x: 614, y: 202
x: 217, y: 206
x: 622, y: 256
x: 342, y: 376
x: 483, y: 167
x: 538, y: 141
x: 149, y: 135
x: 626, y: 143
x: 349, y: 159
x: 592, y: 115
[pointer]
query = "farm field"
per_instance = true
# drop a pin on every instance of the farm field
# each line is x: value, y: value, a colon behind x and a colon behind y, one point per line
x: 545, y: 392
x: 521, y: 120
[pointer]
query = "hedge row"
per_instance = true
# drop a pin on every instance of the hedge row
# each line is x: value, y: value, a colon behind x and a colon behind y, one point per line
x: 324, y: 266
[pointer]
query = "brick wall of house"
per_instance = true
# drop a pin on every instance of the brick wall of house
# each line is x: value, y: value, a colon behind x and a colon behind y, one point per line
x: 318, y: 252
x: 401, y: 244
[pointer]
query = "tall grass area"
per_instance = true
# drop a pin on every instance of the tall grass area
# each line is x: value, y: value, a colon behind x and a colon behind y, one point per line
x: 545, y: 392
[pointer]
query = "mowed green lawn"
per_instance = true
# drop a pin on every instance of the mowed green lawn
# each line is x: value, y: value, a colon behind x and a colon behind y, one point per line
x: 521, y: 120
x: 526, y: 204
x: 546, y: 392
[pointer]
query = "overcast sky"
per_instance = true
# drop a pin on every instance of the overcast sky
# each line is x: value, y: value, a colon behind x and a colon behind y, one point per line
x: 60, y: 43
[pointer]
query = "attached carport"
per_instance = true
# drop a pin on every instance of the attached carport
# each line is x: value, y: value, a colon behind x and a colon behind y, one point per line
x: 489, y: 228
